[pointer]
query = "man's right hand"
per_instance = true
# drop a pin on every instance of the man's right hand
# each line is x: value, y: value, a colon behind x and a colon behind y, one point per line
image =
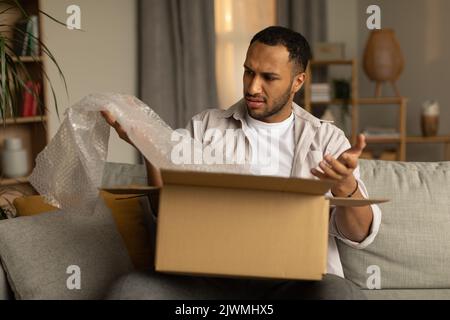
x: 153, y: 173
x: 113, y: 123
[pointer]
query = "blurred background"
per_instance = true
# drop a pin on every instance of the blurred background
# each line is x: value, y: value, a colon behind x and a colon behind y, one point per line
x: 182, y: 56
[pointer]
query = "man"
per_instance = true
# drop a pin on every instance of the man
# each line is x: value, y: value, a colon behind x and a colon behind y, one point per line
x: 306, y: 147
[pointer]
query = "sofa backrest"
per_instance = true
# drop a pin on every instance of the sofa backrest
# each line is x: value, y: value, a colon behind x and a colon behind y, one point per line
x: 412, y: 249
x: 115, y: 174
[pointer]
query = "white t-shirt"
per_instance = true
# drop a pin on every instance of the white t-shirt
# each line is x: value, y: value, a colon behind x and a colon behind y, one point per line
x: 272, y: 146
x: 265, y: 139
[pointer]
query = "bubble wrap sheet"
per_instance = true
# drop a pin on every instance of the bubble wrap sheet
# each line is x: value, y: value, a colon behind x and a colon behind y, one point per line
x: 69, y: 170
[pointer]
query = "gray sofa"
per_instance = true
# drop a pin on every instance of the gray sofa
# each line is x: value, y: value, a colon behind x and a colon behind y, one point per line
x: 408, y: 260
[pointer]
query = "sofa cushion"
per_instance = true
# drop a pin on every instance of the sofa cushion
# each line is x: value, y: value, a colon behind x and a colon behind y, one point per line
x: 412, y: 249
x: 408, y: 294
x: 37, y: 251
x: 129, y: 215
x: 115, y: 174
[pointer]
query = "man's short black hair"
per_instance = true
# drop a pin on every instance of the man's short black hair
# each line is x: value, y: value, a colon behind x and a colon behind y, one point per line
x: 296, y: 44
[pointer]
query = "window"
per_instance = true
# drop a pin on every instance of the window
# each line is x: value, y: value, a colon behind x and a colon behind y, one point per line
x: 237, y: 21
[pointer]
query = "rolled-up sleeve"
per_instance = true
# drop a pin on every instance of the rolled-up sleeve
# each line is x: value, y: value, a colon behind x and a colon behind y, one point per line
x: 375, y: 226
x: 337, y: 144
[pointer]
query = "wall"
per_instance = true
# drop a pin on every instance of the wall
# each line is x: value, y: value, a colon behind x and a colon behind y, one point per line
x: 101, y: 58
x: 342, y: 24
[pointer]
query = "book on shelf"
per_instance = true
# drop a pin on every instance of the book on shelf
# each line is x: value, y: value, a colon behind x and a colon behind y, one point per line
x: 381, y: 132
x: 25, y: 43
x: 320, y: 92
x: 31, y: 99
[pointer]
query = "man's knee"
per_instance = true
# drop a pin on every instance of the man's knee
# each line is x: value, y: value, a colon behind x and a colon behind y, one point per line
x: 158, y: 286
x: 331, y: 287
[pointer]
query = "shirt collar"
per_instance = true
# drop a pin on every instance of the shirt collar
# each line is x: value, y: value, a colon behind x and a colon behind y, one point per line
x: 239, y: 110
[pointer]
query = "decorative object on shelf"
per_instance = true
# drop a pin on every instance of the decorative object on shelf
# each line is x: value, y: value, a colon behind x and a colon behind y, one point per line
x: 329, y: 51
x: 430, y: 118
x: 31, y: 99
x: 26, y: 31
x: 14, y: 159
x: 383, y: 59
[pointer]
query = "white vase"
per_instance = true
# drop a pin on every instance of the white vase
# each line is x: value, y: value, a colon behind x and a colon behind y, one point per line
x: 14, y: 158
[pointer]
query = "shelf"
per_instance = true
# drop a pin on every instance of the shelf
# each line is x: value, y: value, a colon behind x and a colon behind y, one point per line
x: 333, y: 101
x: 378, y: 101
x: 382, y: 140
x: 23, y: 120
x: 421, y: 139
x: 12, y: 182
x: 330, y: 62
x: 28, y: 59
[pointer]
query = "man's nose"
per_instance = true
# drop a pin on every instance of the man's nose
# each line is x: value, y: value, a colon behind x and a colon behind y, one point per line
x: 254, y: 86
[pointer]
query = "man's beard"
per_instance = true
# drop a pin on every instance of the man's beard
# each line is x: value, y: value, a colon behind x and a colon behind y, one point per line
x: 278, y: 105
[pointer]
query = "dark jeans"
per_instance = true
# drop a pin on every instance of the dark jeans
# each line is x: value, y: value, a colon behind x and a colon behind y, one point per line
x: 159, y: 286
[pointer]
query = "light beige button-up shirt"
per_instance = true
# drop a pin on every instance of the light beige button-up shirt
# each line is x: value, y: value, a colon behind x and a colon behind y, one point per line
x: 314, y: 139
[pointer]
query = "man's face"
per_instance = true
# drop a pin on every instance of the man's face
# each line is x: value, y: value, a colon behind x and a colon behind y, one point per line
x: 269, y: 82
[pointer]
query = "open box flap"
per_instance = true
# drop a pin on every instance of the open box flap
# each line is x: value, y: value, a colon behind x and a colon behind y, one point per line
x: 349, y: 202
x: 239, y: 181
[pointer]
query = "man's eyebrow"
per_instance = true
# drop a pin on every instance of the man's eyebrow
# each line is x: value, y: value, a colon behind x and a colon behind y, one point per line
x: 272, y: 74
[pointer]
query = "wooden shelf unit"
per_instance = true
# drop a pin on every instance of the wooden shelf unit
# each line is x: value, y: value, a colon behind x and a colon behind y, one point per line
x: 435, y: 139
x: 13, y: 182
x: 31, y: 130
x: 309, y: 104
x: 356, y: 102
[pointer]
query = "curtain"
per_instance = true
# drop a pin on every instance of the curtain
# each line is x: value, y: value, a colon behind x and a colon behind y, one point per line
x: 309, y: 18
x: 177, y: 58
x: 305, y: 16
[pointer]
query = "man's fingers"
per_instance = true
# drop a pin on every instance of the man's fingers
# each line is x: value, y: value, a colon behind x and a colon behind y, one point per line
x: 113, y: 123
x: 350, y: 161
x: 108, y: 117
x: 337, y: 166
x: 359, y: 146
x: 318, y: 174
x: 329, y: 171
x: 360, y: 142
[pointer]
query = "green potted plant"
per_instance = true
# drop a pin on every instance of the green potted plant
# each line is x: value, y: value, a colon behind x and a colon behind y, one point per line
x: 14, y: 75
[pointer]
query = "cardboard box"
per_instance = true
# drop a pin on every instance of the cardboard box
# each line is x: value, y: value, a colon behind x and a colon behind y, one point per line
x: 241, y: 225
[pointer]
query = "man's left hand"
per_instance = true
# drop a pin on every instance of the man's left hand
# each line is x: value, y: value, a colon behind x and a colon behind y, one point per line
x: 341, y: 169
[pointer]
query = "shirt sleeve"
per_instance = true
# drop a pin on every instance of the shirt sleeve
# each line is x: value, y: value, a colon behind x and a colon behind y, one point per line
x: 375, y: 226
x: 337, y: 145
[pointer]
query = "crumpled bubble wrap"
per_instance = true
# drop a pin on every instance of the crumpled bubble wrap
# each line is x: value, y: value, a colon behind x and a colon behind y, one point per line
x: 69, y: 171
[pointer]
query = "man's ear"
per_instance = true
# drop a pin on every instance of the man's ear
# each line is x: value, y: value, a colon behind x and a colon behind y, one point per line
x: 299, y: 79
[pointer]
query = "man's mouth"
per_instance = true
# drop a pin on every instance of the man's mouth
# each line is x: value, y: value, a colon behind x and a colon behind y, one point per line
x: 254, y: 103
